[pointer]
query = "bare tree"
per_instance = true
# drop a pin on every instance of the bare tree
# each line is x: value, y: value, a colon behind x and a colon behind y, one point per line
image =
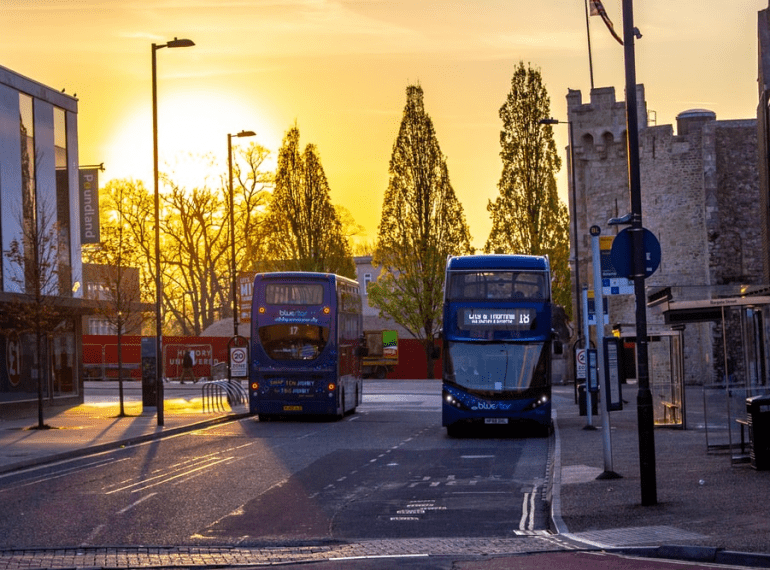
x: 34, y: 268
x: 196, y: 255
x: 115, y: 270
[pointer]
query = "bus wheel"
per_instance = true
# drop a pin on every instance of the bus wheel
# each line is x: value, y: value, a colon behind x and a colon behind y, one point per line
x: 342, y: 412
x: 453, y: 430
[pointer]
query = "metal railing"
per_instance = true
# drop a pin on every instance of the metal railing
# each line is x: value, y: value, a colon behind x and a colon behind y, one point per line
x: 215, y: 393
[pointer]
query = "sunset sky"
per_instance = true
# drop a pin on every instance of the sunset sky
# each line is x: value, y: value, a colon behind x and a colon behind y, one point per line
x: 340, y: 69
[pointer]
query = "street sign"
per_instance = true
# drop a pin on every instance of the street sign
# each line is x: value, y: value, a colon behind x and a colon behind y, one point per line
x: 580, y: 361
x: 239, y: 365
x: 592, y: 309
x: 621, y: 254
x: 612, y: 282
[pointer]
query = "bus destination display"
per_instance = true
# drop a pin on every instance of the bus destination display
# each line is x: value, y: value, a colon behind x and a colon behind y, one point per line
x: 498, y: 318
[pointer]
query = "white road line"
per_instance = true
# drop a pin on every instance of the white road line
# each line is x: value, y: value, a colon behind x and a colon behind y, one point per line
x: 162, y: 478
x: 524, y: 506
x: 527, y: 521
x: 64, y: 473
x: 132, y: 505
x: 94, y: 533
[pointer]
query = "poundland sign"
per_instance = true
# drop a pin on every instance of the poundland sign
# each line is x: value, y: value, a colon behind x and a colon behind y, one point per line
x: 89, y: 205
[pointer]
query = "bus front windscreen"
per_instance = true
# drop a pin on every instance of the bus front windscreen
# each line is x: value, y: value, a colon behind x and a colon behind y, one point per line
x: 293, y: 341
x: 497, y: 367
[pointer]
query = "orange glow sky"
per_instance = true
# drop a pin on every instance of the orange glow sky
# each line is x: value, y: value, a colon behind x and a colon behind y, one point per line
x: 340, y: 69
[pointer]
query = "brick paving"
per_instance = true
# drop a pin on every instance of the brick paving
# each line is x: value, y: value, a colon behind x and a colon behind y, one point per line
x: 184, y: 556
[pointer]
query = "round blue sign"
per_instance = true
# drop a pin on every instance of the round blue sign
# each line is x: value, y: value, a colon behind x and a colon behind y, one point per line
x: 621, y: 255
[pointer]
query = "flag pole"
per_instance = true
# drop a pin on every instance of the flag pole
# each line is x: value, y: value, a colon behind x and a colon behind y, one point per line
x: 590, y: 57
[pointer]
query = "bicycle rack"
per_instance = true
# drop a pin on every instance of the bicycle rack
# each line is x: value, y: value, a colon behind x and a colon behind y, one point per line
x: 216, y: 392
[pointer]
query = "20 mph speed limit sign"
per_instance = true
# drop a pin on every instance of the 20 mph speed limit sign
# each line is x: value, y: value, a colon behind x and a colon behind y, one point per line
x: 580, y: 361
x: 239, y: 365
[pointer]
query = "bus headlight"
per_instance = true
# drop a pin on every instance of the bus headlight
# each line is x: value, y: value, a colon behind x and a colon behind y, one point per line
x: 450, y: 400
x: 540, y: 401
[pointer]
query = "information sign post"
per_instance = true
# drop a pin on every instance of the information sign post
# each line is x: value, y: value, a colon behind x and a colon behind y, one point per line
x: 609, y: 473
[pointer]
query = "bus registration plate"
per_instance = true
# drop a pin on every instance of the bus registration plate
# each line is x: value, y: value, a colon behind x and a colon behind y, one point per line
x: 495, y: 420
x: 292, y: 408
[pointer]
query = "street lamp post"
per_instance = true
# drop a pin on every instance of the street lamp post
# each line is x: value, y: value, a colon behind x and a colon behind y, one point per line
x: 175, y: 43
x: 234, y: 269
x: 644, y: 411
x: 573, y: 213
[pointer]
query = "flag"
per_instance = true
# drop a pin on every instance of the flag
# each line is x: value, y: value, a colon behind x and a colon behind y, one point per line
x: 597, y: 9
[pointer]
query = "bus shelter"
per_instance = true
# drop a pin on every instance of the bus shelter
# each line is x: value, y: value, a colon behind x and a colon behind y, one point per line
x: 737, y: 318
x: 666, y: 370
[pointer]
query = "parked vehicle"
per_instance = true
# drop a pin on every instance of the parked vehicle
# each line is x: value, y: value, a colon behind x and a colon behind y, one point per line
x: 382, y: 353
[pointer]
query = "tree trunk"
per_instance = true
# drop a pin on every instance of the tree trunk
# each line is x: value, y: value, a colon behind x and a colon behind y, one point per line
x: 120, y: 368
x: 429, y: 358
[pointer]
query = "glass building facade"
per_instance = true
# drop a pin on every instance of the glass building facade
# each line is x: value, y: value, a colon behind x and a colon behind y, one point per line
x: 41, y: 303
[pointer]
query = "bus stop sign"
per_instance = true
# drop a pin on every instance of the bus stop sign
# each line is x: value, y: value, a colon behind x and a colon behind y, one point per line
x: 621, y: 253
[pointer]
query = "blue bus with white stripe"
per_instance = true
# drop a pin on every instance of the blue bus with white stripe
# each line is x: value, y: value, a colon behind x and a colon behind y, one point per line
x: 497, y: 341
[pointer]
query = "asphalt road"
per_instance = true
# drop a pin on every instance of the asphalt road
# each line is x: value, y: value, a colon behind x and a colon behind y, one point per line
x: 388, y: 471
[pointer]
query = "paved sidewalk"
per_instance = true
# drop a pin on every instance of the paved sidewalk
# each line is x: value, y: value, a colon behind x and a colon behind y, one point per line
x: 702, y: 497
x: 95, y: 425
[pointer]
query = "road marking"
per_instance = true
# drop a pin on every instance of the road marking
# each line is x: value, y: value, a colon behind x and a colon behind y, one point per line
x: 94, y: 533
x: 373, y: 556
x: 163, y: 478
x: 527, y: 521
x: 135, y: 503
x: 60, y: 474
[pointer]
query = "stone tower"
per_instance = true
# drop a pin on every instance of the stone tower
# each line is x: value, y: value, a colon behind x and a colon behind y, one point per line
x: 700, y: 190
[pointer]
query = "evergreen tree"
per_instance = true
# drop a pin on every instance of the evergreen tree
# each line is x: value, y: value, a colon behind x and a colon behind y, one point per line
x: 527, y: 216
x: 422, y: 223
x: 304, y: 231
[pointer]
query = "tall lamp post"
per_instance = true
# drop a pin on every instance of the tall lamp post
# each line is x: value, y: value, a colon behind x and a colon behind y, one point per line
x: 234, y: 268
x: 573, y: 213
x: 175, y: 43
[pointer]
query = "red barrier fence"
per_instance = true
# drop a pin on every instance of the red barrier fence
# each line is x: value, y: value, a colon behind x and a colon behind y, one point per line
x: 100, y: 356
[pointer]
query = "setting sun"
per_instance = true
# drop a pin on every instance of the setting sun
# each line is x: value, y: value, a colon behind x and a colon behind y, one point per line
x: 192, y: 137
x: 339, y: 70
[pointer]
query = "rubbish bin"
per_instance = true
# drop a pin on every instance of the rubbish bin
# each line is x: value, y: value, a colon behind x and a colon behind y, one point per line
x: 758, y: 418
x: 149, y: 374
x: 582, y: 401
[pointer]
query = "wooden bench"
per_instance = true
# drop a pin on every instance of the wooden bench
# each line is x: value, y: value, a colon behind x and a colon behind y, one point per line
x: 744, y: 424
x: 670, y: 408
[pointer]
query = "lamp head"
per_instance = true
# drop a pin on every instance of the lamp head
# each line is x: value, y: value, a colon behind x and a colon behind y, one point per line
x: 176, y: 43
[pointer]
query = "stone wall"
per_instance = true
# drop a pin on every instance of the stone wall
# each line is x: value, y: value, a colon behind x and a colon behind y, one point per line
x: 700, y: 190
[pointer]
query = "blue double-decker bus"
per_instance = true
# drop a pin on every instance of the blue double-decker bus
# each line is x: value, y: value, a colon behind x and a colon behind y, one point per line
x: 497, y: 341
x: 306, y: 330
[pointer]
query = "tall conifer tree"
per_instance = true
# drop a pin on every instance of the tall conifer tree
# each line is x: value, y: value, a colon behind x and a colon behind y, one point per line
x: 304, y: 232
x: 527, y: 216
x: 422, y: 223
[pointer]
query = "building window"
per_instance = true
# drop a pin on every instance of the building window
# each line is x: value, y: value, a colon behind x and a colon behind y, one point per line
x: 367, y: 280
x: 62, y: 200
x: 101, y: 326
